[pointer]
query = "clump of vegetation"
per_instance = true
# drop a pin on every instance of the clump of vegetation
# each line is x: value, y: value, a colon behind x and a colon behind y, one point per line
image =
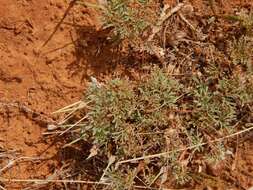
x: 129, y: 19
x: 245, y: 19
x: 241, y: 52
x: 166, y: 125
x: 134, y: 24
x: 157, y: 115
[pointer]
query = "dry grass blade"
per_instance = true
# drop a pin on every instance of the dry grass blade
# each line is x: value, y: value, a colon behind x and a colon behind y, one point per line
x: 111, y: 161
x: 59, y: 132
x: 68, y: 108
x: 74, y: 124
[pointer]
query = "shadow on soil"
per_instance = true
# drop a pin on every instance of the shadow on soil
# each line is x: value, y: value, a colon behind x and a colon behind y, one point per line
x: 96, y: 55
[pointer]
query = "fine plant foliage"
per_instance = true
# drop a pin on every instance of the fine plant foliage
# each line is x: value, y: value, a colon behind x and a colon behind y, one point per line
x: 161, y: 114
x: 128, y: 19
x: 245, y: 20
x: 241, y: 52
x: 178, y: 118
x: 133, y: 24
x: 120, y: 110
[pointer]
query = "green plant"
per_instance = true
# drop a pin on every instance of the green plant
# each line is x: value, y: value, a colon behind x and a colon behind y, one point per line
x: 213, y: 109
x: 241, y: 52
x: 129, y: 19
x: 135, y: 25
x: 216, y: 154
x: 120, y: 180
x: 121, y: 110
x: 162, y: 114
x: 245, y: 20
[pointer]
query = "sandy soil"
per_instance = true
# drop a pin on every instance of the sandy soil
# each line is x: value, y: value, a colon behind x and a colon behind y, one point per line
x: 33, y: 85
